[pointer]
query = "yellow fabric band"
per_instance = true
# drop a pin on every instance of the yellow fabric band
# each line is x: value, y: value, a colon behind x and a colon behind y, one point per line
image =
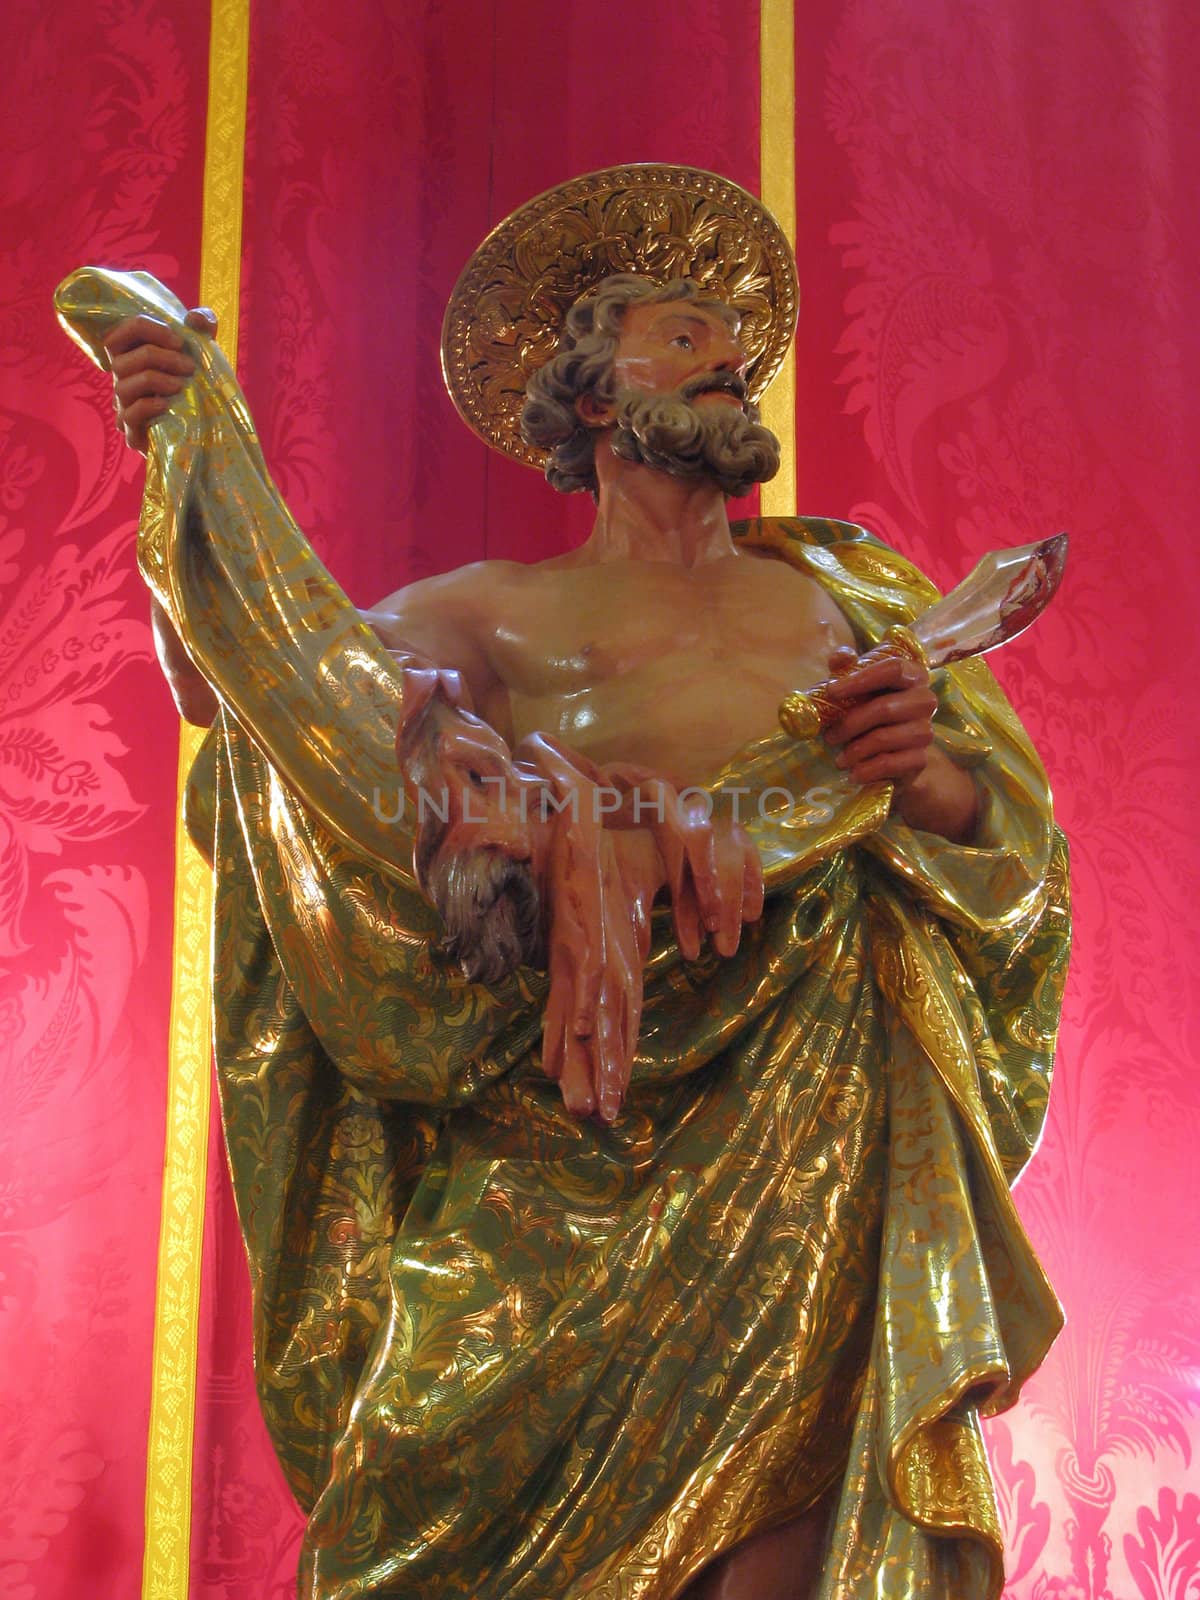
x: 166, y: 1564
x: 777, y: 168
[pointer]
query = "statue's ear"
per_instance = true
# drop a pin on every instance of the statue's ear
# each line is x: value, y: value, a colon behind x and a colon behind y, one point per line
x: 595, y: 413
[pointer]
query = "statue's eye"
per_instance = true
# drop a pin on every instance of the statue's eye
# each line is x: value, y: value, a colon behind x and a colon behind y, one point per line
x: 476, y: 779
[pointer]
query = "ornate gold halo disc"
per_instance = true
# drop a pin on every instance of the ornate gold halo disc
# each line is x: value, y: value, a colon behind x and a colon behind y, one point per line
x: 507, y: 310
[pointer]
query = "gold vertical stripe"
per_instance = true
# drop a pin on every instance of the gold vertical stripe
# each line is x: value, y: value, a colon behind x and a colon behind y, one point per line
x: 224, y: 153
x: 777, y: 178
x: 166, y: 1564
x: 177, y: 1302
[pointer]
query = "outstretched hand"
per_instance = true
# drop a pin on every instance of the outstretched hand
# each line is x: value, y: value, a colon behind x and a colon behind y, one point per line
x: 150, y: 367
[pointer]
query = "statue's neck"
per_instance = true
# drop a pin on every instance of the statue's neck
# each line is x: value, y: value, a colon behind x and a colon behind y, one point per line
x: 647, y: 515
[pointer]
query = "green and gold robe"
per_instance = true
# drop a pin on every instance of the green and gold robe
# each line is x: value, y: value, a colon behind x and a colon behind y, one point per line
x: 508, y: 1355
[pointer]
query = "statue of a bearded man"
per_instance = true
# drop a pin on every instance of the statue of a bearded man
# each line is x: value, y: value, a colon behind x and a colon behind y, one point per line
x: 638, y: 1222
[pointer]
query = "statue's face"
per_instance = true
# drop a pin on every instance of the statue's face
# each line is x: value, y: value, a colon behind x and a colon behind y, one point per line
x: 680, y: 399
x: 664, y: 345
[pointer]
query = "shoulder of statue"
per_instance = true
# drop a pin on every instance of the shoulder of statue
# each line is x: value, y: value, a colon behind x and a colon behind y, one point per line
x: 473, y: 583
x: 873, y: 583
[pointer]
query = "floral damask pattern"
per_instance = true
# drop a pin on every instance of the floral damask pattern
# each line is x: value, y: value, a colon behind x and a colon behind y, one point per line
x: 102, y: 148
x: 1003, y: 189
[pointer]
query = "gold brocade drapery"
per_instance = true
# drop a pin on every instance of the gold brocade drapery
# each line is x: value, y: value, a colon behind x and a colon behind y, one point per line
x: 505, y: 1353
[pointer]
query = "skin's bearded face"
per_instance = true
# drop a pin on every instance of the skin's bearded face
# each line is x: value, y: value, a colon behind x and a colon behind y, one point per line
x: 474, y: 846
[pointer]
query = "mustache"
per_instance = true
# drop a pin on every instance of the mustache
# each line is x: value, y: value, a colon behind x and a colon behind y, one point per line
x: 669, y: 432
x: 716, y: 383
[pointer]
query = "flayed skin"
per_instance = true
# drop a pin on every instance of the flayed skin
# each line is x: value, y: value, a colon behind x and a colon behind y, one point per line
x: 728, y: 446
x: 492, y: 913
x: 487, y: 896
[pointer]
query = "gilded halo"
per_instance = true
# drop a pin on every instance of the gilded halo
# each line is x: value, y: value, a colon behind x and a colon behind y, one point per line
x: 507, y: 310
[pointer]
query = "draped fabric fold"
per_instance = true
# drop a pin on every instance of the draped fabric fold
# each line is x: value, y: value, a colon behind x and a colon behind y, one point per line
x: 505, y: 1353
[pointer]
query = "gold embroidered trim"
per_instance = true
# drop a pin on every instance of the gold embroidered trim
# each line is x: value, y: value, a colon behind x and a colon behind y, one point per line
x: 166, y: 1562
x: 777, y: 185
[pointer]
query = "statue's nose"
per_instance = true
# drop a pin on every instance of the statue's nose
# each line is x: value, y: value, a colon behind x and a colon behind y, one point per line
x: 730, y: 357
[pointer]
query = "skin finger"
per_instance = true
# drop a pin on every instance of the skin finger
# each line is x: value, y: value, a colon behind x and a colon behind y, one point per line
x: 149, y: 357
x: 554, y: 1025
x: 203, y: 319
x: 888, y: 672
x: 908, y: 760
x: 575, y: 876
x: 753, y: 889
x: 141, y: 330
x: 141, y: 384
x: 699, y: 842
x: 671, y: 847
x: 864, y: 684
x: 589, y: 980
x: 575, y: 1082
x: 136, y: 416
x: 135, y: 424
x: 621, y: 1018
x: 454, y: 686
x: 605, y: 1055
x: 896, y: 736
x: 632, y: 1023
x: 731, y: 873
x: 898, y: 766
x: 685, y: 907
x: 688, y: 924
x: 908, y: 705
x: 609, y: 1065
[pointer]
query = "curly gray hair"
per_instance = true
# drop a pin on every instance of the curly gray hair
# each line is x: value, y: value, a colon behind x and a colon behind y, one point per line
x: 583, y: 365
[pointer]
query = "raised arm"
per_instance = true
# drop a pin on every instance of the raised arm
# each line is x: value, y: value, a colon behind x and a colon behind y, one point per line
x: 149, y: 368
x: 436, y: 621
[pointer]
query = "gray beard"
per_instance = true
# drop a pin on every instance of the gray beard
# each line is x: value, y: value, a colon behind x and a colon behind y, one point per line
x: 670, y: 434
x: 492, y: 912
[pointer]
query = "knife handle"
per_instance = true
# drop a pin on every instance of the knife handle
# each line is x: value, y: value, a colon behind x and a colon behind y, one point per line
x: 805, y: 713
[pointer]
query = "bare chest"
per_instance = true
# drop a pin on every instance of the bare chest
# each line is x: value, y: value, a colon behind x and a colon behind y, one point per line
x: 581, y: 628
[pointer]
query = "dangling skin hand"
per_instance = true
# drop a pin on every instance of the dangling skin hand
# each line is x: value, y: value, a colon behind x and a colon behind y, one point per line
x: 604, y: 868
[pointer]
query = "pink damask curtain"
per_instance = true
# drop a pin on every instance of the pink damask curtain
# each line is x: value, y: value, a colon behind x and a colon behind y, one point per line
x: 1001, y: 301
x: 101, y: 155
x: 997, y: 236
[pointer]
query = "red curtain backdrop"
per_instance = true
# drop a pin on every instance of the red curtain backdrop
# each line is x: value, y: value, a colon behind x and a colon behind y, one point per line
x: 997, y: 236
x: 1000, y: 229
x: 102, y: 141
